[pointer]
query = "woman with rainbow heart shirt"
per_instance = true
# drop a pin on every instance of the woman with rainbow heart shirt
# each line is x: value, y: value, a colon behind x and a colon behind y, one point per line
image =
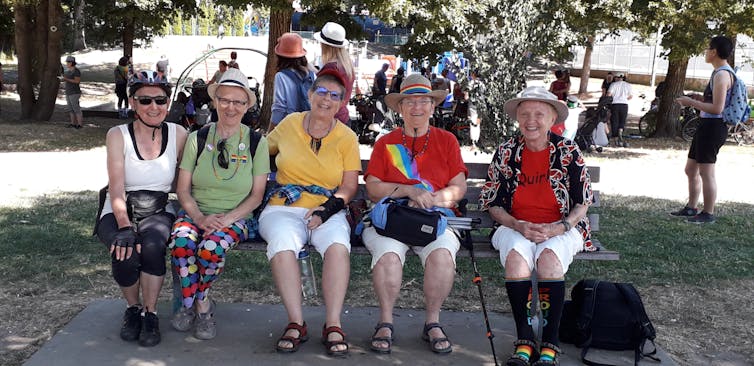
x: 424, y: 164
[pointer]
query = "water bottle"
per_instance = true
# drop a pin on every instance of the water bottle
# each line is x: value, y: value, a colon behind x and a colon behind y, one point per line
x: 308, y: 283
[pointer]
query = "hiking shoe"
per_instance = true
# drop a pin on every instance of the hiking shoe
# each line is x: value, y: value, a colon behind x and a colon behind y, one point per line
x: 184, y: 319
x: 131, y: 327
x: 686, y: 211
x: 701, y: 218
x: 150, y: 330
x: 206, y: 327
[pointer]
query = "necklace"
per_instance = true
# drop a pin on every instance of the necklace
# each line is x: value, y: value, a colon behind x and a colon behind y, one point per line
x: 415, y: 155
x: 218, y: 144
x: 315, y: 143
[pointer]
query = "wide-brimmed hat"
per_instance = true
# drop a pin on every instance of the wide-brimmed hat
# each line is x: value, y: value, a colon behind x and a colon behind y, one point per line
x: 290, y: 45
x: 70, y: 59
x: 539, y: 94
x: 414, y: 85
x: 233, y: 77
x: 332, y: 34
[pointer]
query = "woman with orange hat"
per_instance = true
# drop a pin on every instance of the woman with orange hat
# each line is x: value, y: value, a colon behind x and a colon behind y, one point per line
x: 292, y: 79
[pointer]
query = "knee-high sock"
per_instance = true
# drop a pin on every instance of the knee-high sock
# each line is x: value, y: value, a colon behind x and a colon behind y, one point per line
x: 551, y: 299
x: 519, y: 295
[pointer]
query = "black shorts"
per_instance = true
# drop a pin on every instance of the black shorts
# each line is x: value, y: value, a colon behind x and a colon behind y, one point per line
x: 710, y: 136
x: 120, y: 90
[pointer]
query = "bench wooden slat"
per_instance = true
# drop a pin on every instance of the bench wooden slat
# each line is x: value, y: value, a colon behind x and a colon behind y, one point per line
x: 481, y: 250
x: 479, y: 170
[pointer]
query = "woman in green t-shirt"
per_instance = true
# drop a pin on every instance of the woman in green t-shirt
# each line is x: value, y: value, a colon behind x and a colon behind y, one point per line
x: 218, y: 190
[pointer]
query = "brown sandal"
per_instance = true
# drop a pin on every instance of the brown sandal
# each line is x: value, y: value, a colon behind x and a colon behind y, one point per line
x: 303, y: 336
x: 434, y: 342
x: 330, y: 344
x: 388, y: 340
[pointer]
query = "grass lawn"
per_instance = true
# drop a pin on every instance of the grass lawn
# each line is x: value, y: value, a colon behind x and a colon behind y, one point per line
x: 691, y: 277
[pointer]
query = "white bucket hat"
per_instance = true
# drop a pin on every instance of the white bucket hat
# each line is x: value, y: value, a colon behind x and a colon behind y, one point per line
x: 233, y: 77
x: 332, y: 34
x: 539, y: 94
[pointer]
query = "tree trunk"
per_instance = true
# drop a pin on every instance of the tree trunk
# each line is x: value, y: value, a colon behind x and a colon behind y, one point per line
x: 78, y: 21
x: 732, y: 57
x: 24, y: 15
x: 49, y: 62
x: 667, y: 116
x: 586, y: 67
x: 129, y: 28
x: 280, y: 22
x: 38, y: 46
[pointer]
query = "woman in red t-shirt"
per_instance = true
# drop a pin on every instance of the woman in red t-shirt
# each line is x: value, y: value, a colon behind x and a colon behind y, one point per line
x: 424, y: 164
x: 538, y: 191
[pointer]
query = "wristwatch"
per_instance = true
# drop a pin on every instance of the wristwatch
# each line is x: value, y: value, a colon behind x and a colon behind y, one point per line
x: 566, y: 225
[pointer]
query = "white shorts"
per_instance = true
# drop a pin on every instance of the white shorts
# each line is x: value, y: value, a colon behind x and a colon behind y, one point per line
x: 564, y: 246
x: 379, y: 245
x: 284, y: 228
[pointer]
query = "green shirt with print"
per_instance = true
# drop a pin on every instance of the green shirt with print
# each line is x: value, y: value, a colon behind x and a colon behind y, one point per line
x: 218, y: 190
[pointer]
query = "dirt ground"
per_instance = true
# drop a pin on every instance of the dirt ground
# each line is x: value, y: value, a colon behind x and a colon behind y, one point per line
x: 694, y: 323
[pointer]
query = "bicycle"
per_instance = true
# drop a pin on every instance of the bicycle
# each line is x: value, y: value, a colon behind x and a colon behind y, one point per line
x: 686, y: 126
x: 742, y: 133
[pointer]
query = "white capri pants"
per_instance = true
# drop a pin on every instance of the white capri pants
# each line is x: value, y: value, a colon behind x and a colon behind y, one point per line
x: 379, y: 245
x: 565, y: 246
x: 284, y: 228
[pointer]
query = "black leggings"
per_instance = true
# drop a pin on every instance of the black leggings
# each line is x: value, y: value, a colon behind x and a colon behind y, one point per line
x: 153, y: 234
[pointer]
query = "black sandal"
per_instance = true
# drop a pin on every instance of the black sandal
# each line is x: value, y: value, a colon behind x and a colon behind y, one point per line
x: 554, y: 361
x: 433, y: 342
x: 330, y: 344
x: 295, y: 341
x: 517, y: 360
x: 388, y: 340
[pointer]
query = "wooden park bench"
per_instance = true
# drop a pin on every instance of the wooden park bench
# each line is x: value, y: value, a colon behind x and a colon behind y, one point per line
x: 480, y: 233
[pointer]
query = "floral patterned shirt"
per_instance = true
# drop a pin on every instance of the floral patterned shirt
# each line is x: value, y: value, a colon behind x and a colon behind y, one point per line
x: 569, y: 179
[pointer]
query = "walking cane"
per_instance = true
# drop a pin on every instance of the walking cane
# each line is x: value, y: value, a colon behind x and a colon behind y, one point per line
x: 469, y: 244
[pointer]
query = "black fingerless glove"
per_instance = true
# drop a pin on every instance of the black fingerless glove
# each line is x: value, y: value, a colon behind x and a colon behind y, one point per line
x: 332, y: 206
x: 125, y: 237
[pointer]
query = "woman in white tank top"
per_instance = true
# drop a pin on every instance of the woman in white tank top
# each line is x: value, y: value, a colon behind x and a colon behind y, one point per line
x: 142, y: 157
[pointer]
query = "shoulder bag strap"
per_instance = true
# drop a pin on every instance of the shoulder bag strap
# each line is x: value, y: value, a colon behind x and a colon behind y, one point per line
x: 201, y: 140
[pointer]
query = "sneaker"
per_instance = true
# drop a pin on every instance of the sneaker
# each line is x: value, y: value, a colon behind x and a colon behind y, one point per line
x: 131, y: 327
x: 206, y: 327
x: 150, y: 330
x: 184, y: 319
x: 686, y: 211
x: 701, y: 218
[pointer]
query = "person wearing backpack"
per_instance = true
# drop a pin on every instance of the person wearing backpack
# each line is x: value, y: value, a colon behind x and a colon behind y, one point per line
x: 710, y: 135
x: 292, y: 80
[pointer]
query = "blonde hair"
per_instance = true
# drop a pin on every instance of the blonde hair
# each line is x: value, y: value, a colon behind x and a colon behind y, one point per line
x: 338, y: 55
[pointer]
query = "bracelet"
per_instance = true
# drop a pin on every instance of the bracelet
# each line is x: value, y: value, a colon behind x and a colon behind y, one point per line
x: 566, y: 224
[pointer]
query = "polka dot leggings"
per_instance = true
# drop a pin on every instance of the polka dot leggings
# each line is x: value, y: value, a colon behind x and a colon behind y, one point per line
x: 198, y: 260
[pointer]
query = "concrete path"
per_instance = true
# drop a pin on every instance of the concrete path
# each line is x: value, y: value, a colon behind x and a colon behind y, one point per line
x: 247, y: 334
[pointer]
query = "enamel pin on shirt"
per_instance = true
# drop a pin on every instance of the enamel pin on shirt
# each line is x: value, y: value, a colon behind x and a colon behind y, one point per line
x: 241, y: 146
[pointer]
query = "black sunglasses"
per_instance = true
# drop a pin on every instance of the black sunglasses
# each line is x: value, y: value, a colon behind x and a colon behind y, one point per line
x: 222, y: 155
x: 146, y: 100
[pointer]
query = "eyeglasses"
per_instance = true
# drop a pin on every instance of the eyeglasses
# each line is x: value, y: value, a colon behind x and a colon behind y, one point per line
x: 236, y: 103
x: 147, y: 100
x: 222, y: 154
x: 413, y: 103
x: 334, y: 95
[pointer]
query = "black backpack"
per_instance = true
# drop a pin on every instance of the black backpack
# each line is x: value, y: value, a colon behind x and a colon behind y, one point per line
x: 607, y: 315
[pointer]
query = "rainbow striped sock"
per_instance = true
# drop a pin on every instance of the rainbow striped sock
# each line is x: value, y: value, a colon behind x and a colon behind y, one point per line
x: 524, y: 351
x: 547, y: 354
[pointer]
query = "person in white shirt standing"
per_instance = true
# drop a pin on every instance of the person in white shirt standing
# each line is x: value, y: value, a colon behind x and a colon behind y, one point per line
x: 621, y: 92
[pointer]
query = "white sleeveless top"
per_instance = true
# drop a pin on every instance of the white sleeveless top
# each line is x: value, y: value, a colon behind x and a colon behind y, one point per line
x: 153, y: 175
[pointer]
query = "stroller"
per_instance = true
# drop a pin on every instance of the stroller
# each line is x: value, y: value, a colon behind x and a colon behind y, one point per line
x: 592, y: 117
